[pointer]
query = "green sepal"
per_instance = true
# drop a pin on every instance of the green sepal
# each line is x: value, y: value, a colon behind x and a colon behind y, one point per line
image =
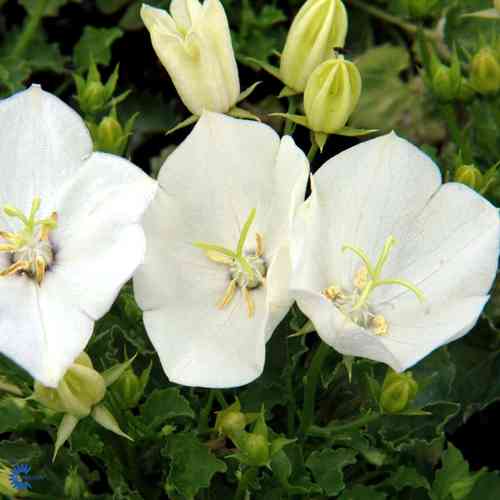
x: 64, y: 431
x: 272, y: 70
x: 111, y: 375
x: 320, y: 139
x: 298, y: 119
x: 483, y: 14
x: 237, y: 112
x: 243, y: 95
x: 185, y: 123
x: 105, y: 419
x: 288, y: 92
x: 354, y: 132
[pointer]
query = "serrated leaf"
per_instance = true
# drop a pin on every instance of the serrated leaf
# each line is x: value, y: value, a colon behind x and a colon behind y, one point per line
x: 282, y: 469
x: 486, y: 488
x: 362, y: 493
x: 406, y: 477
x: 326, y: 466
x: 15, y: 414
x: 453, y: 479
x: 95, y: 44
x: 193, y: 465
x: 164, y: 404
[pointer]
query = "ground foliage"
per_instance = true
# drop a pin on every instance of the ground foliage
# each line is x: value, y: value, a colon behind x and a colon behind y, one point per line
x: 354, y: 450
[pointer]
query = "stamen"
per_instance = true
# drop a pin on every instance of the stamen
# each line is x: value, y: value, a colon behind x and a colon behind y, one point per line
x: 19, y: 266
x: 332, y: 292
x: 361, y: 278
x: 379, y: 325
x: 259, y: 245
x: 40, y: 267
x: 249, y: 302
x: 228, y: 296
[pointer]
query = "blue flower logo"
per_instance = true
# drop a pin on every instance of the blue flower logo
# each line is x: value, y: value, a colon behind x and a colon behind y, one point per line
x: 16, y: 477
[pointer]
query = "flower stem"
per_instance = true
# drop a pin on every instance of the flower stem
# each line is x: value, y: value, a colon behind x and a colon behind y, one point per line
x: 220, y: 398
x: 313, y: 377
x: 292, y: 107
x: 313, y: 150
x: 331, y: 429
x: 389, y: 18
x: 205, y: 413
x: 450, y: 117
x: 30, y: 28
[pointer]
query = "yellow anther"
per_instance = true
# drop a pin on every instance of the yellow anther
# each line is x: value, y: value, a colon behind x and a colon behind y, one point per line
x: 259, y: 239
x: 228, y: 296
x: 249, y: 302
x: 361, y: 278
x: 332, y: 292
x: 8, y: 248
x: 379, y: 325
x: 17, y: 267
x: 40, y: 266
x: 47, y: 226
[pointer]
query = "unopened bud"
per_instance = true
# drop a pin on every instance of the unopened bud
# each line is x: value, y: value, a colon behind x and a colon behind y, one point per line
x: 398, y: 390
x: 74, y: 486
x: 444, y: 84
x: 79, y: 390
x: 421, y: 8
x: 319, y: 27
x: 469, y: 175
x: 332, y: 94
x: 485, y: 71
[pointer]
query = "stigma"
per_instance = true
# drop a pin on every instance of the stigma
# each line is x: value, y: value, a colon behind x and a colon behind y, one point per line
x: 247, y: 269
x: 355, y: 302
x: 29, y: 249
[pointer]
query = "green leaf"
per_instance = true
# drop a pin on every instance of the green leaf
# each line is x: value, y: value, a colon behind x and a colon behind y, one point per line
x: 95, y: 44
x: 52, y: 8
x: 15, y: 414
x: 406, y: 477
x: 326, y: 466
x: 486, y: 488
x: 165, y: 404
x: 282, y: 469
x: 193, y: 465
x: 362, y: 493
x: 453, y: 480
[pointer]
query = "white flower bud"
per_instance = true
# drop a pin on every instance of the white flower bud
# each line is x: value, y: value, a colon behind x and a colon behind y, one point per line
x: 193, y: 42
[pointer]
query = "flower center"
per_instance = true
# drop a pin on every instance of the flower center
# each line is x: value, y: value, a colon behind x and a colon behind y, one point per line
x: 30, y: 249
x: 247, y: 270
x: 355, y: 304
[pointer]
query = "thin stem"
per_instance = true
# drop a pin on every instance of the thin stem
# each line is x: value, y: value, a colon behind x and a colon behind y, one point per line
x: 449, y: 116
x: 312, y: 152
x: 332, y: 429
x: 205, y: 413
x: 313, y: 377
x: 292, y: 107
x: 292, y: 403
x: 220, y: 398
x: 30, y: 28
x: 384, y: 16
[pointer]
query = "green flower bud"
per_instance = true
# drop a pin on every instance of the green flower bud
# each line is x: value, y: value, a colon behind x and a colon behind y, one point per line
x: 444, y: 85
x: 469, y: 175
x: 109, y: 136
x: 421, y: 8
x: 93, y: 97
x: 332, y: 93
x: 254, y: 449
x: 398, y: 390
x: 496, y: 4
x: 79, y: 390
x: 129, y: 388
x: 230, y: 422
x: 74, y: 486
x: 319, y: 27
x: 485, y: 71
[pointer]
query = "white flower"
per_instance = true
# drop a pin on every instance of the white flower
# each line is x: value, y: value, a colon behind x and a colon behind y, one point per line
x: 388, y: 263
x: 214, y: 284
x: 69, y: 232
x: 194, y: 45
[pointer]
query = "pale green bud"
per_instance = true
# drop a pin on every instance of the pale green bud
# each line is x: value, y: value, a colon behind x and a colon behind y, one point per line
x: 109, y: 136
x: 485, y: 71
x: 79, y: 390
x: 319, y: 27
x: 469, y: 175
x: 496, y: 4
x: 129, y: 388
x: 74, y: 486
x: 332, y: 94
x: 398, y: 390
x: 421, y: 8
x: 230, y: 422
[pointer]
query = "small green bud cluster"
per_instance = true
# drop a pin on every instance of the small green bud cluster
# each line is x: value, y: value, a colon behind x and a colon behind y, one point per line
x: 94, y: 96
x: 398, y: 391
x: 109, y: 135
x: 421, y: 8
x: 472, y: 176
x: 129, y: 388
x: 485, y: 71
x: 254, y: 448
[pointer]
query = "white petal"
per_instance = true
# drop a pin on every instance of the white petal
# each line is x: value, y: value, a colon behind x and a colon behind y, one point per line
x: 99, y: 241
x: 43, y: 142
x: 158, y: 20
x: 367, y: 193
x: 450, y: 251
x: 209, y: 185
